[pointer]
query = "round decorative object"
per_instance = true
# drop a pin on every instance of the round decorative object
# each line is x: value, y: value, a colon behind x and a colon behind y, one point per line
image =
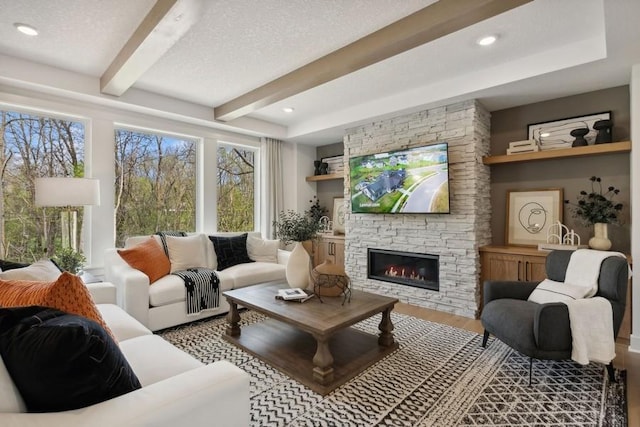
x: 297, y: 271
x: 604, y: 131
x: 579, y: 135
x: 329, y: 279
x: 600, y: 241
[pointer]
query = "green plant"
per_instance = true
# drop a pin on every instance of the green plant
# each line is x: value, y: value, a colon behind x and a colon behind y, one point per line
x: 292, y: 226
x: 69, y: 260
x: 596, y: 206
x: 316, y: 211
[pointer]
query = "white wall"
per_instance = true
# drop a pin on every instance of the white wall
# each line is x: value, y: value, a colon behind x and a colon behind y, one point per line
x: 634, y: 87
x: 100, y: 153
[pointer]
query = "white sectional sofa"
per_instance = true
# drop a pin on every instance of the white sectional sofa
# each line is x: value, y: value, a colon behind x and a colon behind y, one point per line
x: 176, y: 388
x: 162, y: 304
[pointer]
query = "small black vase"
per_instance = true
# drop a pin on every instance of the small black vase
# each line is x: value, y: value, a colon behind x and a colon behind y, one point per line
x: 316, y: 165
x: 324, y: 168
x: 604, y: 131
x: 579, y: 135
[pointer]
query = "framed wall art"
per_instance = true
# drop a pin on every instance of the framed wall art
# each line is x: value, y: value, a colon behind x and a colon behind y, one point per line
x: 558, y: 132
x: 530, y: 214
x: 338, y: 215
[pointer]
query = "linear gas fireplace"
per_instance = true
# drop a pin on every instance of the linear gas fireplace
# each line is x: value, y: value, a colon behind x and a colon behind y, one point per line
x: 405, y: 268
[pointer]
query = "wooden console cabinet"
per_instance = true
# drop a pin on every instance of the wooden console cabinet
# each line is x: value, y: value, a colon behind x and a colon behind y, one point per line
x: 512, y: 263
x: 331, y: 248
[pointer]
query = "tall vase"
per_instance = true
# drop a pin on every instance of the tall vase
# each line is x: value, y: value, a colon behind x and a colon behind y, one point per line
x: 297, y: 271
x: 600, y: 240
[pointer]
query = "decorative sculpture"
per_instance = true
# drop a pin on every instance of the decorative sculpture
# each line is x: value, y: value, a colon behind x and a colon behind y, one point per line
x: 560, y: 237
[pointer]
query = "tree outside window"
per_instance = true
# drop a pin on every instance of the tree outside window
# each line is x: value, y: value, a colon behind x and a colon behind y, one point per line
x: 236, y: 188
x: 155, y: 188
x: 33, y: 146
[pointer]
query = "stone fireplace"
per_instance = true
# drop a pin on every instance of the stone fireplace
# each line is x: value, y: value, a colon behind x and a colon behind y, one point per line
x: 404, y: 268
x: 453, y: 238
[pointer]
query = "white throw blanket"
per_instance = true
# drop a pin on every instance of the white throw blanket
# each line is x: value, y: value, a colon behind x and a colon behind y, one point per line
x: 591, y: 322
x: 591, y: 319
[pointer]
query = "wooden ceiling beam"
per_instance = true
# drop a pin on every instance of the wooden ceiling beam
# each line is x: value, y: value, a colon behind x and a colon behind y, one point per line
x: 164, y: 25
x: 428, y: 24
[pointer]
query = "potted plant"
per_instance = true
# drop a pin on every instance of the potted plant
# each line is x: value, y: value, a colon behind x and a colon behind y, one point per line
x: 598, y: 208
x: 70, y: 260
x: 290, y: 227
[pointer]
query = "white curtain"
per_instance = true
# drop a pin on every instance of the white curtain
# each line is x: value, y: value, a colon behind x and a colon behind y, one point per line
x: 272, y: 191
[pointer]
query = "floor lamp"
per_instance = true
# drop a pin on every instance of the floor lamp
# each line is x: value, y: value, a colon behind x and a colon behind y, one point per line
x: 69, y: 193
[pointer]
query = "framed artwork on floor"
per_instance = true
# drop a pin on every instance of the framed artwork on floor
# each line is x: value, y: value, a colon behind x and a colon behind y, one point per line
x: 530, y: 214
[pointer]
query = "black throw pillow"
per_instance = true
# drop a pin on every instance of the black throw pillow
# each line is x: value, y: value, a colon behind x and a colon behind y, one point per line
x: 230, y: 250
x: 10, y: 265
x: 59, y: 361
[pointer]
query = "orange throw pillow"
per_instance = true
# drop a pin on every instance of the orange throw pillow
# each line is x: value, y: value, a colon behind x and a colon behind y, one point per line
x: 148, y: 257
x: 68, y: 293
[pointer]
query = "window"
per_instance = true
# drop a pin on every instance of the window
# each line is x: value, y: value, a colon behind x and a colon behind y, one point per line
x: 236, y: 188
x: 155, y: 187
x: 34, y: 146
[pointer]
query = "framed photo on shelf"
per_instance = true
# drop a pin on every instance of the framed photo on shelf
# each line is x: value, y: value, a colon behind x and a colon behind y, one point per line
x: 559, y: 131
x: 530, y: 214
x: 338, y: 215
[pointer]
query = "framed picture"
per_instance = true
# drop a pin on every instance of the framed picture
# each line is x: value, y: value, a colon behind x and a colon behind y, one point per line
x: 530, y: 214
x: 338, y: 215
x: 559, y: 131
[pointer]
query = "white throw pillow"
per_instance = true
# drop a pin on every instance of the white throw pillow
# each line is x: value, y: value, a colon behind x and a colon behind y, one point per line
x: 186, y: 252
x: 42, y: 271
x: 262, y: 250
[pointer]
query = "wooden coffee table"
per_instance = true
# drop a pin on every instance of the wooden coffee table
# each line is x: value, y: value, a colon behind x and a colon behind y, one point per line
x: 312, y: 341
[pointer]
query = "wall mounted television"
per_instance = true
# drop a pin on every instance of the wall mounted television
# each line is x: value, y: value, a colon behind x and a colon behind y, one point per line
x: 409, y: 180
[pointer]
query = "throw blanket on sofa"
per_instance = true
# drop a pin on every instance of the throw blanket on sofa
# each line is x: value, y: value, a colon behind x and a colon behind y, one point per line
x: 590, y: 319
x: 202, y: 289
x: 202, y: 285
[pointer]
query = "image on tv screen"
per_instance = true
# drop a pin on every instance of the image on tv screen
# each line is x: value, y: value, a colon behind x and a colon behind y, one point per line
x: 411, y: 180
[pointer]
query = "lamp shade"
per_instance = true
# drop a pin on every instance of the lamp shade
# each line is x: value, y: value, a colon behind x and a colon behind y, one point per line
x: 56, y: 191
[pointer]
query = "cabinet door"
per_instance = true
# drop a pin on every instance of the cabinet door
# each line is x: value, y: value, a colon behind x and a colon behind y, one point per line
x: 502, y: 267
x: 534, y: 268
x: 338, y: 251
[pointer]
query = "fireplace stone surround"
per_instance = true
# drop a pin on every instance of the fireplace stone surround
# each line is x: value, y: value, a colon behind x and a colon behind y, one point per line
x: 454, y: 238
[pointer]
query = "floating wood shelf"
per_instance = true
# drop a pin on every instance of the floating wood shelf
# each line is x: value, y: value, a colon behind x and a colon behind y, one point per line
x: 328, y: 177
x: 589, y: 150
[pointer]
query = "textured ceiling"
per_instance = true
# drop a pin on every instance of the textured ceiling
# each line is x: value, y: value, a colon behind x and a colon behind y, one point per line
x: 546, y: 49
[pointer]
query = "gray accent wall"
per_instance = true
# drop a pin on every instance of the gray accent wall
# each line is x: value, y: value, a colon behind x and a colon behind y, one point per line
x: 570, y: 174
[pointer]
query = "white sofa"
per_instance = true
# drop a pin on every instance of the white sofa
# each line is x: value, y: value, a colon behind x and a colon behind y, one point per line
x: 162, y: 304
x: 176, y: 388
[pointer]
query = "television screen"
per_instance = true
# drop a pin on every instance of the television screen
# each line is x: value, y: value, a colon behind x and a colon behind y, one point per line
x: 411, y: 180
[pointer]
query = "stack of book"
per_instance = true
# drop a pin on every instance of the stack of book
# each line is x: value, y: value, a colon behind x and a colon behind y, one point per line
x: 336, y: 164
x: 294, y: 294
x: 526, y: 146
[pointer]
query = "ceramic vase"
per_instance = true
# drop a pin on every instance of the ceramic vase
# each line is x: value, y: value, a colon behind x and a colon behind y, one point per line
x: 297, y: 272
x: 600, y: 240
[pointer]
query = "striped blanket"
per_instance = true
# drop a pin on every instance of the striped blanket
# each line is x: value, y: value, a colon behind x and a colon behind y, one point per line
x: 202, y: 285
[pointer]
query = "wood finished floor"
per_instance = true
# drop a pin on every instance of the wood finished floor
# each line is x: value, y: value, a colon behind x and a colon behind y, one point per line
x: 624, y: 358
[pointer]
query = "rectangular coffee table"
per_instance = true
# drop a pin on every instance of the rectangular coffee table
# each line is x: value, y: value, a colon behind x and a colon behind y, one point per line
x: 312, y: 341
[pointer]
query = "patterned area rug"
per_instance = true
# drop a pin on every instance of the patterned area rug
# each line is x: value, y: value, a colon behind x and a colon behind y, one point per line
x: 440, y: 376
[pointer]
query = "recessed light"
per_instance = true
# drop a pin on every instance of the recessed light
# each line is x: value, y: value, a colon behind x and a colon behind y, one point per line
x: 26, y: 29
x: 487, y: 40
x: 288, y: 109
x: 545, y: 134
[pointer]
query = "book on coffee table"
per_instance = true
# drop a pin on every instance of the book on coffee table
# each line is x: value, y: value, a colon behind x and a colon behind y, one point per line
x: 295, y: 294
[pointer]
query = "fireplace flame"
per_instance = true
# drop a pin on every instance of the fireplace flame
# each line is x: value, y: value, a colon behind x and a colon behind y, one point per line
x: 410, y: 273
